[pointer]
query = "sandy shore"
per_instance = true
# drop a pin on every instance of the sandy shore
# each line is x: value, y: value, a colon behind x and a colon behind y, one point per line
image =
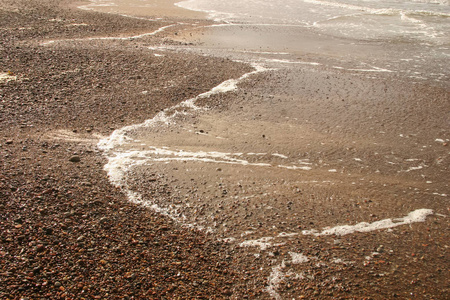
x: 70, y: 77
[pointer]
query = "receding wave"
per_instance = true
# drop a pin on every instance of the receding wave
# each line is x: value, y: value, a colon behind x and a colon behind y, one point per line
x: 378, y: 11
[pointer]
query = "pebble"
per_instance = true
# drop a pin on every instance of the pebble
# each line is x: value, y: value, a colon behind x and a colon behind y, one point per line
x: 75, y: 159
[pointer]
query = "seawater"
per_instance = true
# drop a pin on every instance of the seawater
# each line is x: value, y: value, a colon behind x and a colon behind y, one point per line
x: 425, y: 21
x: 410, y: 37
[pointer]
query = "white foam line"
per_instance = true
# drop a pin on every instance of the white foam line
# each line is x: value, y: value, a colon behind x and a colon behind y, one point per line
x: 5, y: 77
x: 298, y: 258
x: 263, y: 52
x: 119, y: 136
x: 119, y: 162
x: 277, y: 274
x: 418, y: 215
x: 209, y: 160
x: 117, y: 168
x: 304, y: 168
x: 377, y: 11
x: 440, y: 140
x: 200, y: 156
x: 274, y: 281
x: 280, y: 155
x: 110, y: 37
x: 319, y: 23
x: 263, y: 243
x: 285, y: 61
x: 375, y: 69
x: 285, y: 234
x: 442, y: 195
x: 257, y: 25
x: 248, y: 232
x: 415, y: 168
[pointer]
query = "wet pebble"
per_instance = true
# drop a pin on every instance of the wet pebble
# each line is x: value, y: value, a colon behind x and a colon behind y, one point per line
x: 75, y: 159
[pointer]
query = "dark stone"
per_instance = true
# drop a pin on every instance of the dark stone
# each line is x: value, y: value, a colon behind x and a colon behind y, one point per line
x: 75, y: 159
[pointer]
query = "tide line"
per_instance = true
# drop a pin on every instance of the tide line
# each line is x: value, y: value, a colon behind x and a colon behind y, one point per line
x: 128, y: 38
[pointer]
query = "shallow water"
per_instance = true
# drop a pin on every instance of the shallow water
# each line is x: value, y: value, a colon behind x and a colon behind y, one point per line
x: 371, y: 19
x: 410, y: 38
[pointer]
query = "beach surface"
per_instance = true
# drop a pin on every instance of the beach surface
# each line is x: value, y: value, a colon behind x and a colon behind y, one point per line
x: 142, y: 160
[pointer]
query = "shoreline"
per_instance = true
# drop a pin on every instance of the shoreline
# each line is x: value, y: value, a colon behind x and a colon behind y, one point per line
x: 64, y: 225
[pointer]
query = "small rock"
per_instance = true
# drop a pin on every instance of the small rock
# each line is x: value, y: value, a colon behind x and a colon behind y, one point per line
x: 57, y: 284
x: 9, y: 142
x: 75, y: 159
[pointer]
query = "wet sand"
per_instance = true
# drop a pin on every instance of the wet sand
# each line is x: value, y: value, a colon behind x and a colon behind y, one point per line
x: 137, y: 8
x: 290, y: 151
x: 305, y: 166
x: 266, y: 158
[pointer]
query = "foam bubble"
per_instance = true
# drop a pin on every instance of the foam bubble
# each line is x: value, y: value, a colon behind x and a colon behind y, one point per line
x: 5, y: 77
x: 263, y: 243
x: 298, y: 258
